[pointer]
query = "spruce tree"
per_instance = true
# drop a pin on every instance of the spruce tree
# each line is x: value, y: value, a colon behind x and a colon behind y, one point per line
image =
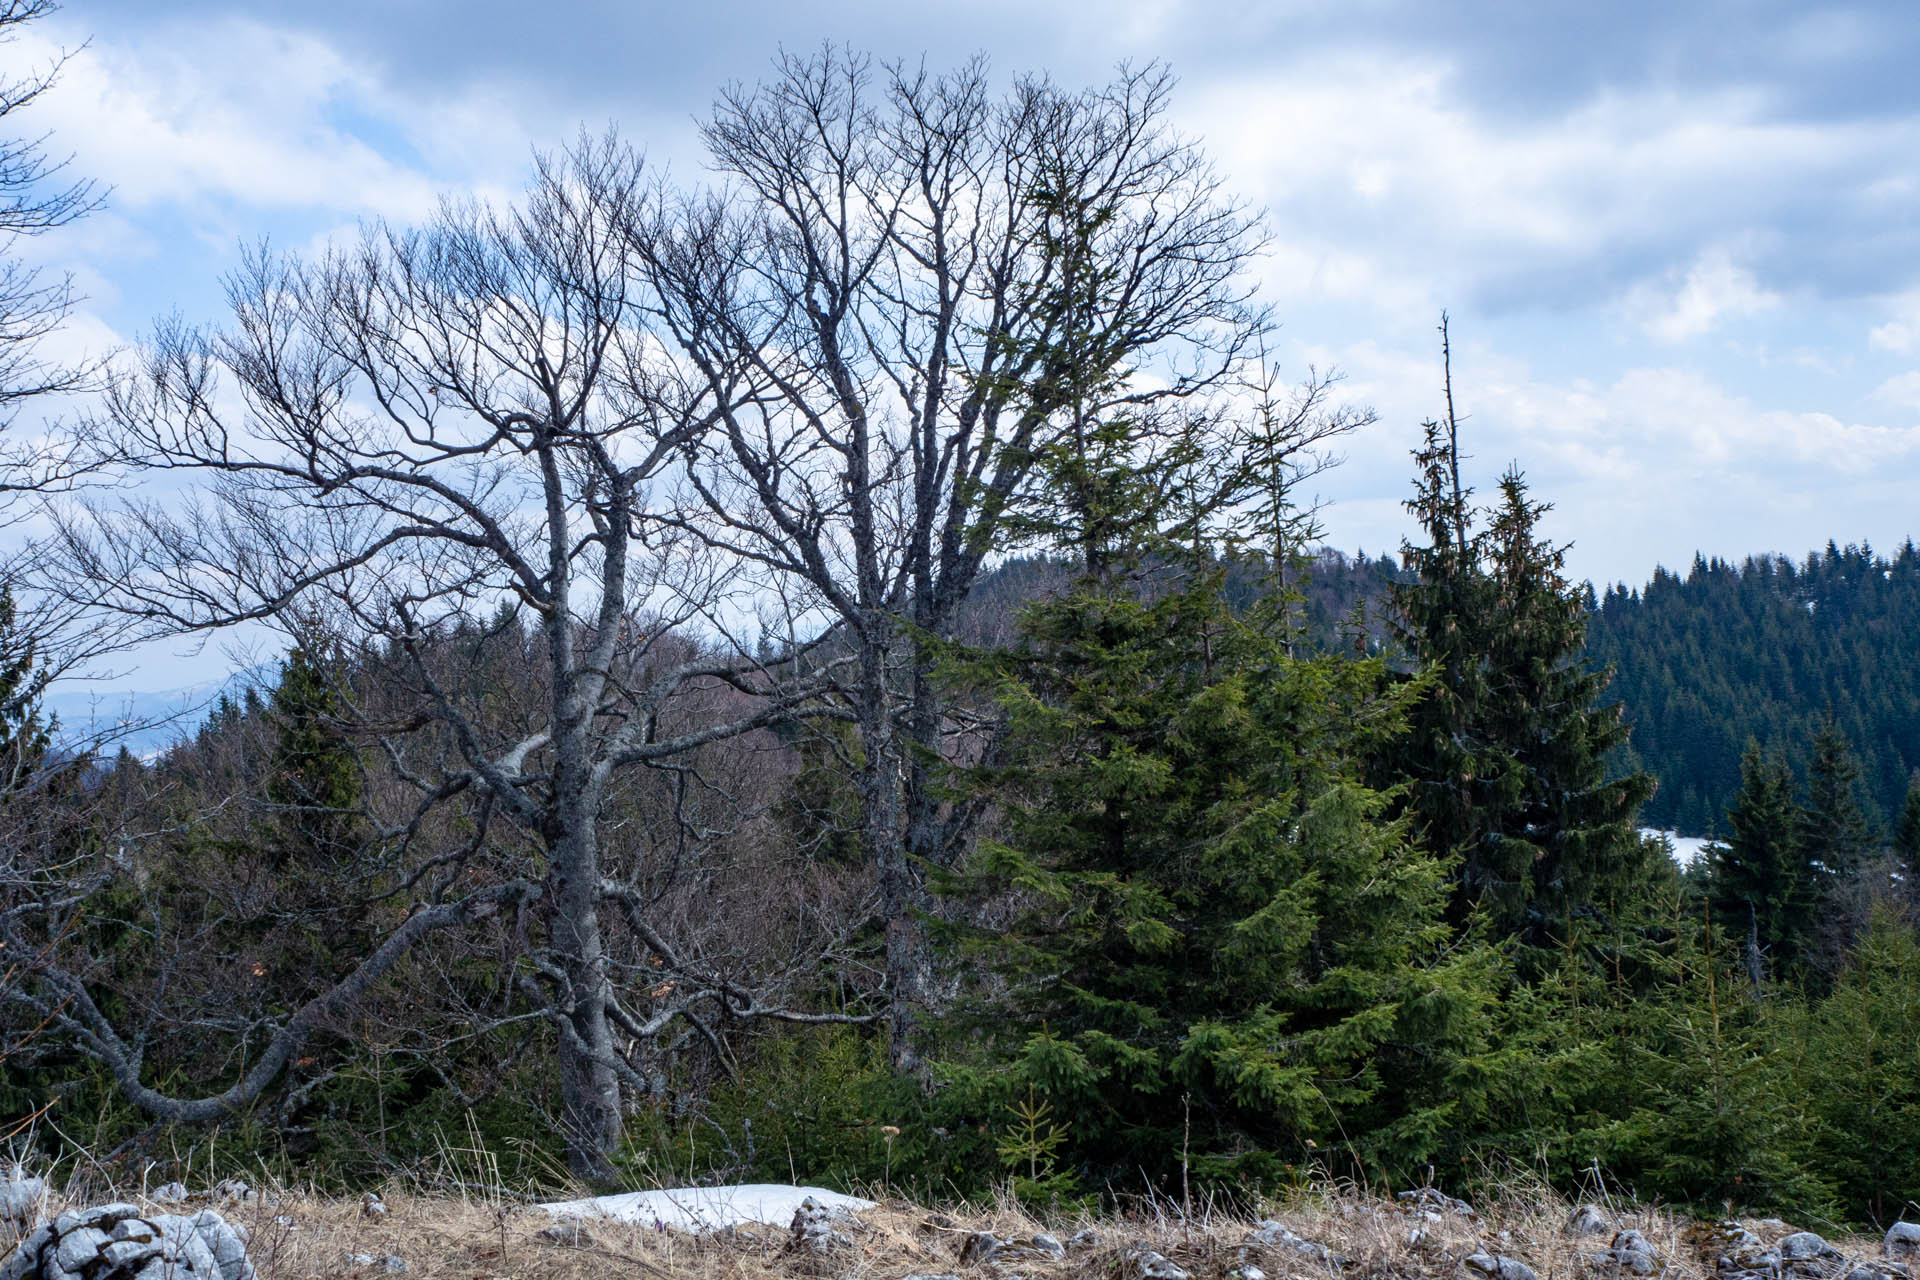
x: 24, y: 736
x: 1906, y: 833
x: 1836, y: 834
x: 1760, y: 884
x: 313, y: 782
x: 1226, y: 943
x: 1221, y: 946
x: 1457, y: 781
x: 1507, y: 765
x: 1572, y: 823
x: 1865, y: 1042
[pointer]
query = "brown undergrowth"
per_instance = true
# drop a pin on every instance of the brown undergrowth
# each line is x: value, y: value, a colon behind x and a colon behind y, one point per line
x: 479, y: 1236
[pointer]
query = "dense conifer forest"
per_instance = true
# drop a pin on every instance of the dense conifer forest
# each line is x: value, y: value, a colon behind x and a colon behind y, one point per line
x: 1770, y: 651
x: 1767, y: 651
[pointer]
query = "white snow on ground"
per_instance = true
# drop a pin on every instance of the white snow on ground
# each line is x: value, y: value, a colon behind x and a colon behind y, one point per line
x: 705, y: 1208
x: 1685, y: 848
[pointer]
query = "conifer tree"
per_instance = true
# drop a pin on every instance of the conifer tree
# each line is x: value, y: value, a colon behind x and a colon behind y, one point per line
x: 1456, y: 780
x: 1906, y: 831
x: 1836, y: 835
x: 24, y: 737
x: 1866, y: 1040
x: 1571, y: 825
x: 1719, y: 1114
x: 1759, y: 880
x: 1224, y: 945
x: 313, y: 783
x: 1506, y: 767
x: 1223, y: 922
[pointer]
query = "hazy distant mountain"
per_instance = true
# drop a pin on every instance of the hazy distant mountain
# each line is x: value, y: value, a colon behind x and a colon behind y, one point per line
x: 144, y: 721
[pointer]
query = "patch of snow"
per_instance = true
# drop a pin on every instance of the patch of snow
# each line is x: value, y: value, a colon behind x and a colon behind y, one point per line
x: 1684, y: 848
x: 700, y: 1209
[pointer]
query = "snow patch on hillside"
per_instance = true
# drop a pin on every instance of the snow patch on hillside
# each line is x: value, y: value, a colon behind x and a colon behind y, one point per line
x: 1685, y: 848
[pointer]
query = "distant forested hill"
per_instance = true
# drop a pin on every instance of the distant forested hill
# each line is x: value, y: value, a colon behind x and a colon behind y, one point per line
x: 1762, y: 649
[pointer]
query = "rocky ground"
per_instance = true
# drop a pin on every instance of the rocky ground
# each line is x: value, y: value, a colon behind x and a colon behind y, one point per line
x: 175, y: 1234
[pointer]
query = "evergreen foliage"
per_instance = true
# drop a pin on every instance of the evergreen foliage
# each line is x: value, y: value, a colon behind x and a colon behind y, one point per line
x: 1906, y: 831
x: 24, y: 736
x: 1225, y: 946
x: 1770, y: 650
x: 1508, y: 764
x: 313, y: 782
x: 1836, y: 835
x: 1763, y: 889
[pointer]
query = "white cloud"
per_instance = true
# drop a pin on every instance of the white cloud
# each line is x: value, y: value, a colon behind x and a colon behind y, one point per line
x: 1642, y: 467
x: 242, y: 118
x: 1380, y: 155
x: 229, y: 112
x: 1901, y: 334
x: 1902, y: 391
x: 1714, y: 288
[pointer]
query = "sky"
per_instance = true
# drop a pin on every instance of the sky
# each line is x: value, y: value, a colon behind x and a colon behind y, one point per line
x: 1677, y: 242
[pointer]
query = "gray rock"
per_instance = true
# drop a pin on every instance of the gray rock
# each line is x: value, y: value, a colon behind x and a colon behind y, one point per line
x: 980, y: 1247
x: 27, y: 1256
x: 169, y: 1193
x: 115, y: 1242
x: 1630, y: 1254
x: 1047, y: 1244
x: 20, y: 1200
x: 392, y: 1264
x: 1802, y: 1246
x: 1631, y: 1241
x: 129, y: 1255
x: 1622, y: 1262
x: 1430, y: 1200
x: 1141, y: 1263
x: 813, y: 1229
x: 185, y: 1243
x: 1877, y: 1271
x: 1589, y: 1220
x: 1246, y: 1271
x: 1902, y: 1240
x: 79, y: 1248
x: 1085, y: 1238
x: 1277, y: 1237
x: 570, y: 1234
x: 1499, y: 1266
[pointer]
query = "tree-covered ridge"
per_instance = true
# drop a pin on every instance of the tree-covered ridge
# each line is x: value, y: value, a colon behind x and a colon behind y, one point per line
x: 1765, y: 650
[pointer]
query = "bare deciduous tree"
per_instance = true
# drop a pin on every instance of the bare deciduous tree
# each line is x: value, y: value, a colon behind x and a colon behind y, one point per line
x: 402, y: 440
x: 35, y: 197
x: 909, y: 295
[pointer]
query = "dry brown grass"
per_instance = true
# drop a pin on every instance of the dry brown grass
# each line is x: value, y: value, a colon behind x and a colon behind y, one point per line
x: 467, y: 1236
